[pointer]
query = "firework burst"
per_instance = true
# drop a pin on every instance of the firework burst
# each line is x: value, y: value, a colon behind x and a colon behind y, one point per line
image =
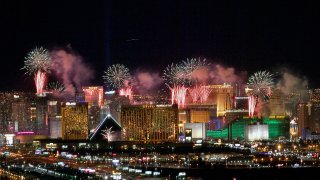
x: 190, y: 66
x: 116, y: 75
x: 181, y: 73
x: 260, y: 84
x: 56, y: 86
x: 195, y: 93
x: 199, y: 93
x: 39, y: 59
x: 179, y: 76
x: 38, y: 62
x: 178, y: 95
x: 173, y: 74
x: 259, y: 88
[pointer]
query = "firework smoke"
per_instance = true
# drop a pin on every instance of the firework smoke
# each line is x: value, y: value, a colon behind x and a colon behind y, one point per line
x: 216, y: 74
x: 146, y: 82
x: 290, y: 83
x: 69, y: 66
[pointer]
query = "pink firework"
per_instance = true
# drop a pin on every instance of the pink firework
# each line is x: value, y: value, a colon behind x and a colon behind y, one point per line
x: 251, y: 104
x: 178, y: 95
x: 205, y: 92
x: 126, y: 91
x: 200, y: 93
x: 40, y: 78
x: 195, y: 93
x: 94, y: 93
x: 173, y: 95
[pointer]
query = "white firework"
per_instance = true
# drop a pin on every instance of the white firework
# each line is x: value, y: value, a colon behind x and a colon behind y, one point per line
x: 173, y: 74
x: 181, y: 73
x: 39, y: 59
x: 260, y: 84
x: 56, y: 86
x: 116, y: 75
x: 190, y: 66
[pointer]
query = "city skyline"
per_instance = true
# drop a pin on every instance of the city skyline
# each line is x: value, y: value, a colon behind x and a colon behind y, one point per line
x: 112, y: 89
x: 247, y: 37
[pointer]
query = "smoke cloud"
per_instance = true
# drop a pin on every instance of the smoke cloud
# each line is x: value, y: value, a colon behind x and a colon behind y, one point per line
x: 217, y: 74
x: 290, y: 83
x: 146, y: 82
x: 70, y: 68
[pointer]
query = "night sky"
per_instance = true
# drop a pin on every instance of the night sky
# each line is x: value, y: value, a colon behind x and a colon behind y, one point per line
x: 150, y: 35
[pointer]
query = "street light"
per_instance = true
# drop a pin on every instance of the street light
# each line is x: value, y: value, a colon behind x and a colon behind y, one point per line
x: 279, y: 148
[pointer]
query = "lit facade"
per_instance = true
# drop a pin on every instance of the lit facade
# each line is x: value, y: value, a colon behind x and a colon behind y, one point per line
x: 94, y: 117
x: 42, y: 122
x: 93, y: 95
x: 74, y: 121
x: 303, y: 116
x: 238, y: 129
x: 150, y: 123
x: 55, y: 127
x: 6, y: 123
x: 277, y: 103
x: 222, y: 96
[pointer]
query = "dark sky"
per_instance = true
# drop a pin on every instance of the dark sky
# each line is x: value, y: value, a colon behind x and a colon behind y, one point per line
x: 152, y: 34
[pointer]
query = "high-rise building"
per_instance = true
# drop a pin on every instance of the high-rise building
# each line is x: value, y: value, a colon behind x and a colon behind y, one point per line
x: 74, y: 121
x: 55, y: 127
x: 94, y: 117
x: 222, y: 96
x: 42, y: 122
x: 315, y: 96
x: 54, y: 117
x: 150, y: 123
x: 277, y: 103
x: 303, y: 117
x: 21, y: 112
x: 6, y: 123
x: 93, y: 95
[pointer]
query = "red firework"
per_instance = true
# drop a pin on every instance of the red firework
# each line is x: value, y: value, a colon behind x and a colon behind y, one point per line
x: 178, y: 95
x: 126, y: 91
x: 40, y: 78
